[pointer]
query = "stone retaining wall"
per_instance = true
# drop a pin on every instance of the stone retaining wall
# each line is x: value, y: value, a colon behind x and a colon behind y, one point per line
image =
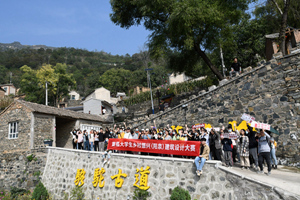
x: 16, y: 170
x: 165, y: 174
x: 269, y: 92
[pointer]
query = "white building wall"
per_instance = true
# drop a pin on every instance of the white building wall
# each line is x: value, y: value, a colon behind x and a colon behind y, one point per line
x: 77, y: 95
x: 92, y: 106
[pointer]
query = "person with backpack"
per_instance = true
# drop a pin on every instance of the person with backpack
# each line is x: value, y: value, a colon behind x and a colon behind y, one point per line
x: 264, y: 151
x: 273, y: 145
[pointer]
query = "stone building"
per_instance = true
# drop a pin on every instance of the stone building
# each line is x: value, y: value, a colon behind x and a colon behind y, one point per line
x: 25, y: 125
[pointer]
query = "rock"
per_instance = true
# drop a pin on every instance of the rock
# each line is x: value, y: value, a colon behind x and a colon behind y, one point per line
x: 222, y: 82
x: 248, y: 69
x: 212, y: 88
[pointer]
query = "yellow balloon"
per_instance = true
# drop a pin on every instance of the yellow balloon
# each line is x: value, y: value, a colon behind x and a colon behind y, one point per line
x: 207, y: 126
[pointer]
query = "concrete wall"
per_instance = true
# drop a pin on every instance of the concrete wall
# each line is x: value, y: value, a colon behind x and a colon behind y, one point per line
x: 92, y: 106
x: 178, y: 78
x: 165, y: 174
x: 270, y: 93
x: 100, y: 93
x: 22, y: 116
x: 76, y: 95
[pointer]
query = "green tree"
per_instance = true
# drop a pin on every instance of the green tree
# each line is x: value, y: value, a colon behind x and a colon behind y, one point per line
x: 29, y: 85
x: 33, y: 83
x: 116, y: 80
x: 189, y: 27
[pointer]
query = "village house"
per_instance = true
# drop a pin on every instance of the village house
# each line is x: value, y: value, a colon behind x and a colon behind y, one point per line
x: 2, y: 92
x: 9, y: 89
x: 25, y: 125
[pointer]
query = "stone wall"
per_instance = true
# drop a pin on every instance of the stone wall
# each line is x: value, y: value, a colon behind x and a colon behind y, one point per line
x: 165, y: 174
x: 15, y: 113
x: 269, y: 92
x: 17, y: 171
x: 43, y: 128
x: 63, y: 129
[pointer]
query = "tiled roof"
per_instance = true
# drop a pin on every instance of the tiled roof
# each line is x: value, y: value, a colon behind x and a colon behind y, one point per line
x: 40, y: 108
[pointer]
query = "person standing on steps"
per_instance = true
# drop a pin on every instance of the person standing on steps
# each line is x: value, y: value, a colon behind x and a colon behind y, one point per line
x: 203, y: 156
x: 264, y: 151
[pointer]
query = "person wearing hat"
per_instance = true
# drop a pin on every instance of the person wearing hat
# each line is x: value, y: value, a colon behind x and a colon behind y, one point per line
x: 203, y: 156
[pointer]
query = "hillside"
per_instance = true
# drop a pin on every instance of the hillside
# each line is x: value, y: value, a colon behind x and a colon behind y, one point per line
x: 89, y: 69
x: 18, y: 45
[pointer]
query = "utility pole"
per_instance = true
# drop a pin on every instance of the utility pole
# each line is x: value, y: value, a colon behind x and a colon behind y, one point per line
x: 46, y: 93
x: 10, y: 75
x: 223, y: 66
x: 148, y: 78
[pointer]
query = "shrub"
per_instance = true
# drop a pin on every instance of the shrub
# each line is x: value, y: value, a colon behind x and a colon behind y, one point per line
x: 15, y: 192
x: 180, y: 194
x: 77, y: 193
x: 4, y: 195
x: 40, y: 192
x: 30, y: 158
x: 140, y: 194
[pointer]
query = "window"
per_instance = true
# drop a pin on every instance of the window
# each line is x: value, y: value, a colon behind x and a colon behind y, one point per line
x: 13, y: 130
x: 73, y: 97
x: 5, y: 88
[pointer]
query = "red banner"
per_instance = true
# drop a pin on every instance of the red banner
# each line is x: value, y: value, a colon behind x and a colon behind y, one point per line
x: 174, y: 147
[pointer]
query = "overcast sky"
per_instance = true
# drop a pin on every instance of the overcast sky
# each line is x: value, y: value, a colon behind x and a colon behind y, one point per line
x: 68, y: 23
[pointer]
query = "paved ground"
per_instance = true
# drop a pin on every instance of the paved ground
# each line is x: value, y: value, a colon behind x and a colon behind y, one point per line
x: 287, y: 178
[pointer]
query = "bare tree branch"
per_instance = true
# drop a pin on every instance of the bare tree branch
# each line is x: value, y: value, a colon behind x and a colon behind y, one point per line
x: 276, y: 4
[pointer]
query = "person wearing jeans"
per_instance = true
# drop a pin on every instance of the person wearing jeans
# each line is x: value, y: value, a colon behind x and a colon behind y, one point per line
x: 273, y: 153
x: 86, y: 140
x: 91, y: 139
x: 203, y: 156
x: 264, y: 151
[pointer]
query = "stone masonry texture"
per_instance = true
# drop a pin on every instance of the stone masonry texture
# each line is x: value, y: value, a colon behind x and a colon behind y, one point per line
x: 165, y: 175
x: 17, y: 171
x: 15, y: 113
x: 269, y: 92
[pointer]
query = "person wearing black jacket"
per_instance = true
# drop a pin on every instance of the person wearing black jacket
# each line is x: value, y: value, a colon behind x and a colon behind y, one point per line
x: 101, y: 136
x: 227, y: 151
x: 214, y: 145
x: 252, y: 146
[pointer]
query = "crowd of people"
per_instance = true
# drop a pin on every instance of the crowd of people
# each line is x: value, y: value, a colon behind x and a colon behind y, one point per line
x: 250, y: 148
